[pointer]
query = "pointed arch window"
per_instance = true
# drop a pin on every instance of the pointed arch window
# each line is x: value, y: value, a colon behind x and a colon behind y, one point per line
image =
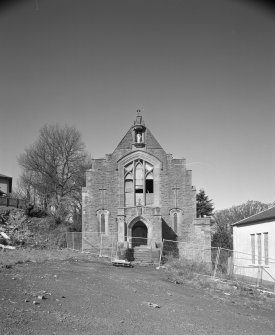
x: 175, y: 222
x: 129, y: 185
x: 176, y: 219
x: 102, y: 224
x: 102, y: 219
x: 139, y: 183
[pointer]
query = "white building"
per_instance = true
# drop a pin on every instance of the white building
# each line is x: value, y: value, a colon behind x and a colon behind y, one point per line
x: 254, y: 246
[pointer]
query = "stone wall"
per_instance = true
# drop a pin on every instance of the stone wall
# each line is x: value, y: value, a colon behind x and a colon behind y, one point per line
x: 173, y: 193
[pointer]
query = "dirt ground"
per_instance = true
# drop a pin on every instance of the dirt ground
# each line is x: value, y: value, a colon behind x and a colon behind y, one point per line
x: 93, y: 297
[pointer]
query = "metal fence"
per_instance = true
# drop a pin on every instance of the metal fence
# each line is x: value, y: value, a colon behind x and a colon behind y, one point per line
x: 136, y: 249
x: 12, y: 202
x: 220, y: 263
x: 216, y: 262
x: 97, y: 244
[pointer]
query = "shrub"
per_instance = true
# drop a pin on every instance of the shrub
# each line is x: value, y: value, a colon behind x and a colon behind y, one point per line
x: 129, y: 254
x: 35, y: 212
x: 76, y: 225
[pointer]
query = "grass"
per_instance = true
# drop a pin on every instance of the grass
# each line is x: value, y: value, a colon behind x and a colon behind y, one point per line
x: 186, y: 268
x: 182, y: 271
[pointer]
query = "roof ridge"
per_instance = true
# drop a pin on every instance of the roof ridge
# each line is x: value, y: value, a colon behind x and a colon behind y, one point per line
x: 251, y: 216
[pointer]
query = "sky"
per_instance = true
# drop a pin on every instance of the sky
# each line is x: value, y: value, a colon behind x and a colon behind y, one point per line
x: 202, y: 73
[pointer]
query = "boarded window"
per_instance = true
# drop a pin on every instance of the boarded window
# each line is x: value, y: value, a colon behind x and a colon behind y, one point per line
x: 253, y: 247
x: 129, y: 187
x: 139, y: 177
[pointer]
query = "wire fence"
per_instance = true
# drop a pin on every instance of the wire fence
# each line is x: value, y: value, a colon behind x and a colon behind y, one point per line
x: 135, y: 249
x: 97, y: 244
x: 220, y: 263
x: 216, y: 262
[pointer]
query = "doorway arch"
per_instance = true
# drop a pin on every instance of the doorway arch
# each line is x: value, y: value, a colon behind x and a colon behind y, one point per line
x: 139, y: 234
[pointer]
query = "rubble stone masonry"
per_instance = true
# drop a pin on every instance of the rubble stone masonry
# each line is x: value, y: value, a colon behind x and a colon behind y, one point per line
x: 172, y: 212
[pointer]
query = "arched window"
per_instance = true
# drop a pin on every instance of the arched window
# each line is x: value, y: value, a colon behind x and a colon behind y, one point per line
x: 103, y: 221
x: 129, y: 185
x: 139, y: 183
x: 102, y: 224
x: 175, y: 222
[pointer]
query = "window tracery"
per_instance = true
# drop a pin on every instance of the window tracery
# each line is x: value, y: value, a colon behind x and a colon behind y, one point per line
x: 139, y: 183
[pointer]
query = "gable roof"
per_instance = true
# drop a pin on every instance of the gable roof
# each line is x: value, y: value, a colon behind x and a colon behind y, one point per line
x: 265, y: 215
x: 127, y: 140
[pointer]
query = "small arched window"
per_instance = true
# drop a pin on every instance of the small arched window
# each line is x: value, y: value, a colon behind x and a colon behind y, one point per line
x: 175, y: 222
x: 102, y: 227
x: 103, y: 221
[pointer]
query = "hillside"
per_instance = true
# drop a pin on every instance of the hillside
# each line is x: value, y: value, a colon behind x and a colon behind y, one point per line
x: 30, y: 232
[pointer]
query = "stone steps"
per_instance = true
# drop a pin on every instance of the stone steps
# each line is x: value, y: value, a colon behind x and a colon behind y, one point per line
x: 143, y: 255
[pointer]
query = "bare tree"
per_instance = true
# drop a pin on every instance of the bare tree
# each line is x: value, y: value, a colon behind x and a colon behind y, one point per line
x: 54, y: 167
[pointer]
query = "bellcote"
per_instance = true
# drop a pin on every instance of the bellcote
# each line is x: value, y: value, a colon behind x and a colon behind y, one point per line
x: 138, y: 131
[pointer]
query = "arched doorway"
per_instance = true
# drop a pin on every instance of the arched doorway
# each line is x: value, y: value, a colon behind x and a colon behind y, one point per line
x: 139, y: 234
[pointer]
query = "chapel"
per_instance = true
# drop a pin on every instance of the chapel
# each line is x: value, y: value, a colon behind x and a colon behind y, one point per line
x: 142, y: 194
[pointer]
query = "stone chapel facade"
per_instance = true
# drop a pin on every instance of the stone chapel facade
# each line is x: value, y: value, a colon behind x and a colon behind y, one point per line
x: 140, y: 192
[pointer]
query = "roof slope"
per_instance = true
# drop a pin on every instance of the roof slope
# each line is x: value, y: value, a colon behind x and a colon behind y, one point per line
x: 126, y: 142
x: 151, y: 142
x: 267, y: 214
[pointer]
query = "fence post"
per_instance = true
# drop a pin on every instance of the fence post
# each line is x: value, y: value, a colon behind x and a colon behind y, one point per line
x: 259, y: 276
x: 73, y: 239
x: 216, y: 262
x: 161, y: 250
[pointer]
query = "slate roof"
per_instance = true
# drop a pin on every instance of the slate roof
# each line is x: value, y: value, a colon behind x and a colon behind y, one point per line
x: 265, y: 215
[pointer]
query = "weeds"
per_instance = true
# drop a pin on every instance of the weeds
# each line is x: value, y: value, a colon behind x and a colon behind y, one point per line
x: 186, y: 268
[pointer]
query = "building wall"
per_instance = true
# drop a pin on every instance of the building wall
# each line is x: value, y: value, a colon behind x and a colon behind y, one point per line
x: 5, y: 185
x: 243, y: 250
x: 173, y: 193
